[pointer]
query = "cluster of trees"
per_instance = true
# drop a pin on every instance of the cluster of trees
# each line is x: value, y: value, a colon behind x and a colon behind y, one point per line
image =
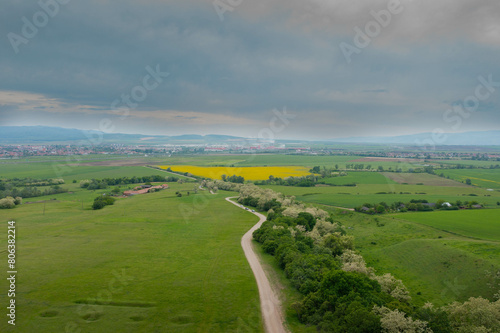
x: 330, y: 172
x: 7, y: 184
x: 263, y: 199
x: 102, y: 201
x: 187, y: 174
x: 342, y: 294
x: 470, y: 166
x: 233, y: 179
x: 96, y: 184
x: 215, y: 185
x: 357, y: 166
x: 306, y: 181
x: 414, y: 205
x: 325, y: 172
x: 12, y: 187
x: 32, y: 191
x: 10, y: 202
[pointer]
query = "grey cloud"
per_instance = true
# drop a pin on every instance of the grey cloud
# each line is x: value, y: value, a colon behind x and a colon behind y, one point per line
x: 264, y: 55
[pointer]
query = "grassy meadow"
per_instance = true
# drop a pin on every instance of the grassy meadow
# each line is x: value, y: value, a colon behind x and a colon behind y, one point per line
x: 71, y: 171
x: 154, y: 262
x: 480, y: 224
x: 437, y: 265
x: 479, y: 177
x: 359, y: 177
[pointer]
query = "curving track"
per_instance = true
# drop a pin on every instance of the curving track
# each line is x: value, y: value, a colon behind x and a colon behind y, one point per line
x: 269, y: 303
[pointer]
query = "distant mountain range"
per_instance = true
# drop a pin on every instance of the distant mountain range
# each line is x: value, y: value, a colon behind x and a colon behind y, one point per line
x: 58, y: 135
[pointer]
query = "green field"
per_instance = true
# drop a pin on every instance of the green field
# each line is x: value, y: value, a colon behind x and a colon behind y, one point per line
x: 436, y: 265
x: 359, y: 177
x: 480, y: 177
x: 156, y: 262
x: 481, y: 224
x: 421, y: 179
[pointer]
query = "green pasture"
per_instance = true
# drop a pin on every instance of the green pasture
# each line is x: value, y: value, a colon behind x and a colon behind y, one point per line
x: 359, y: 177
x: 437, y: 266
x: 149, y: 263
x: 421, y: 179
x: 480, y: 224
x: 69, y: 172
x: 487, y: 178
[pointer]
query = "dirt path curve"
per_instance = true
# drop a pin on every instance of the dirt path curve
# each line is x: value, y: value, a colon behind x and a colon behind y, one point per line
x: 269, y: 303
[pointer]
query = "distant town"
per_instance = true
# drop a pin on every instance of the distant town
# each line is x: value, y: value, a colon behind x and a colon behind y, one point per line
x: 408, y: 152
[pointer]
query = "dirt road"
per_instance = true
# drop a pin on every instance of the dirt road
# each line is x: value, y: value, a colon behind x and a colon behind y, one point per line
x: 269, y: 303
x: 173, y: 173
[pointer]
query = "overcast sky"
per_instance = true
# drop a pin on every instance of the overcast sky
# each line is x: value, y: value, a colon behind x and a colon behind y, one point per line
x: 336, y: 68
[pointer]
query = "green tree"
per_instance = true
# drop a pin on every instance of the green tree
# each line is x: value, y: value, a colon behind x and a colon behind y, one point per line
x: 307, y: 220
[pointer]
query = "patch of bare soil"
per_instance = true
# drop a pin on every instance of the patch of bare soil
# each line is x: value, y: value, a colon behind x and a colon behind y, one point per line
x: 421, y: 179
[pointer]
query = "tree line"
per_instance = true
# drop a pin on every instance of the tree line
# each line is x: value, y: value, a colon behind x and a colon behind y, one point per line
x: 415, y: 205
x: 96, y: 184
x: 340, y: 293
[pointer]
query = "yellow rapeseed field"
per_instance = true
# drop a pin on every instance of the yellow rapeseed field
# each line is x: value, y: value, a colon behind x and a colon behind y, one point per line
x: 249, y: 173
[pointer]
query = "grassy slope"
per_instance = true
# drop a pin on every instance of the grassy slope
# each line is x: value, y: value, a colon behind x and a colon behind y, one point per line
x: 481, y: 224
x: 441, y: 266
x: 192, y: 270
x: 482, y: 178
